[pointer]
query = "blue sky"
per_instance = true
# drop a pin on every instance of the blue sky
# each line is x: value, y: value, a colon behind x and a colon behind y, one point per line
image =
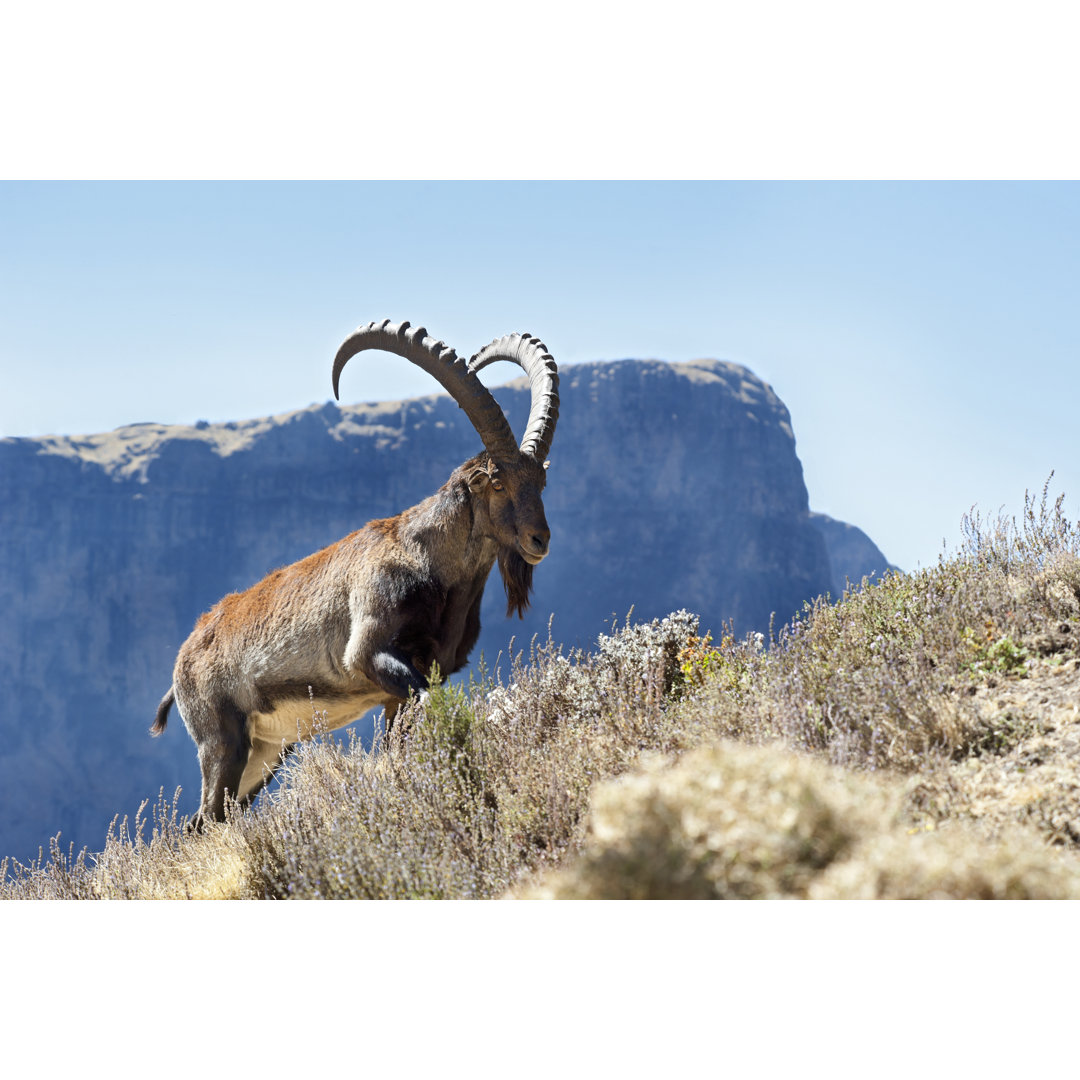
x: 923, y: 335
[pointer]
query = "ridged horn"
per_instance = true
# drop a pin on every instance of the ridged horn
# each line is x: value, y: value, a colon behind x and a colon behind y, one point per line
x: 442, y: 363
x: 530, y: 354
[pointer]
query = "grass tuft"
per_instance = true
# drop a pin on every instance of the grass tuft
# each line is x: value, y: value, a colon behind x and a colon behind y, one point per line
x: 919, y: 737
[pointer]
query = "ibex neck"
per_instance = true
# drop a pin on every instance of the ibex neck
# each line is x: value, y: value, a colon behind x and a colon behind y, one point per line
x: 444, y: 527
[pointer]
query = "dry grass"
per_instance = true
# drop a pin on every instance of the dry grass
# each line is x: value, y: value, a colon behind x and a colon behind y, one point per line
x: 733, y: 822
x: 920, y: 737
x: 725, y: 822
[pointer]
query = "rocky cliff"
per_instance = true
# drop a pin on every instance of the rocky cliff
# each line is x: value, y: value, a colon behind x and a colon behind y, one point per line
x: 671, y: 485
x: 852, y: 554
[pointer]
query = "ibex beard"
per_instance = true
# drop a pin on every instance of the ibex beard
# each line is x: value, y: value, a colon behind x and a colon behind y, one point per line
x: 365, y: 621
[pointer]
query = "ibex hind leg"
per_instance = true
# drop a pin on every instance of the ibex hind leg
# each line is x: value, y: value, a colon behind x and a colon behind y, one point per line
x: 224, y: 750
x: 263, y: 763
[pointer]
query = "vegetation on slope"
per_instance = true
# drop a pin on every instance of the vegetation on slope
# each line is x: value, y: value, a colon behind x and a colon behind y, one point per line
x: 920, y: 737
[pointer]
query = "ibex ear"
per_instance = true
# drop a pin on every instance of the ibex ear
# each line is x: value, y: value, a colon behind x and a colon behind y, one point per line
x: 547, y: 464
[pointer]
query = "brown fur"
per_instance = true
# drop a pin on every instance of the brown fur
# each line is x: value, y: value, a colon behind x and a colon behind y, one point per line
x: 359, y: 624
x: 363, y: 622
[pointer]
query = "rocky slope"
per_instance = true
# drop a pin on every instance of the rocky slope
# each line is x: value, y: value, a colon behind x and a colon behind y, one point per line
x: 671, y: 485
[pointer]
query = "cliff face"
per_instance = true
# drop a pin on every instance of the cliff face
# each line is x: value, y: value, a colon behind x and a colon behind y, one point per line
x: 671, y: 485
x: 852, y: 554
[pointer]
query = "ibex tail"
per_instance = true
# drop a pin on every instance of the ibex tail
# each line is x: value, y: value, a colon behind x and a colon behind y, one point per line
x: 161, y: 717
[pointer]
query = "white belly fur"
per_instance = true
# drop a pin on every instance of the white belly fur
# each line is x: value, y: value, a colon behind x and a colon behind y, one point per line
x: 302, y: 718
x: 290, y: 722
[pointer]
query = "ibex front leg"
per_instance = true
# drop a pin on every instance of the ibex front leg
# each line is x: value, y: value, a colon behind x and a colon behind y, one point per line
x: 370, y: 652
x: 397, y: 675
x: 224, y: 748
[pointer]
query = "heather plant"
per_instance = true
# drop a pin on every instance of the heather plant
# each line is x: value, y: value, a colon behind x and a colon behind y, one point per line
x: 172, y: 863
x: 730, y: 821
x: 494, y: 786
x: 878, y: 680
x: 365, y: 825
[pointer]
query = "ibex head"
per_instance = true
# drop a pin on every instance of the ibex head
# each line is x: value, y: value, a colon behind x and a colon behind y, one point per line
x: 505, y: 482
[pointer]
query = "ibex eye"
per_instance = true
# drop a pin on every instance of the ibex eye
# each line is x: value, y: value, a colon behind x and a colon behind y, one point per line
x: 497, y: 485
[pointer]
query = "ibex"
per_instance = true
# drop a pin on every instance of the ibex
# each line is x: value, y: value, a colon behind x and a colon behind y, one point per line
x: 361, y: 623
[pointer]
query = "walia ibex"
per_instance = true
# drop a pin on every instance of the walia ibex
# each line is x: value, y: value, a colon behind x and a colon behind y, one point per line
x: 362, y: 622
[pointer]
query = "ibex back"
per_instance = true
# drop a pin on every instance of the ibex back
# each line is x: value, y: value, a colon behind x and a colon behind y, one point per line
x: 361, y: 623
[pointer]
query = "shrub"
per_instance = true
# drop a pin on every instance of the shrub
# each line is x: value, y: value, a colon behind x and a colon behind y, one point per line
x: 486, y: 786
x: 738, y: 822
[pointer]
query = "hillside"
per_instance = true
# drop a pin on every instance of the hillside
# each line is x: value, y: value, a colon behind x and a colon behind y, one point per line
x: 671, y: 486
x: 920, y: 738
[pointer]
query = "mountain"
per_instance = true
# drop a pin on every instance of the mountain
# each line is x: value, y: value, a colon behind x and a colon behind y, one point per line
x: 671, y: 485
x: 852, y: 554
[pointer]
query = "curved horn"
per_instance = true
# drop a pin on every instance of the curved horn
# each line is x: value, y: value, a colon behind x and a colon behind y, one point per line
x: 531, y: 354
x: 441, y: 362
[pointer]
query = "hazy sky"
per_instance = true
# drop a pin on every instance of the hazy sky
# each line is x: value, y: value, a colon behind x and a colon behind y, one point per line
x: 923, y: 335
